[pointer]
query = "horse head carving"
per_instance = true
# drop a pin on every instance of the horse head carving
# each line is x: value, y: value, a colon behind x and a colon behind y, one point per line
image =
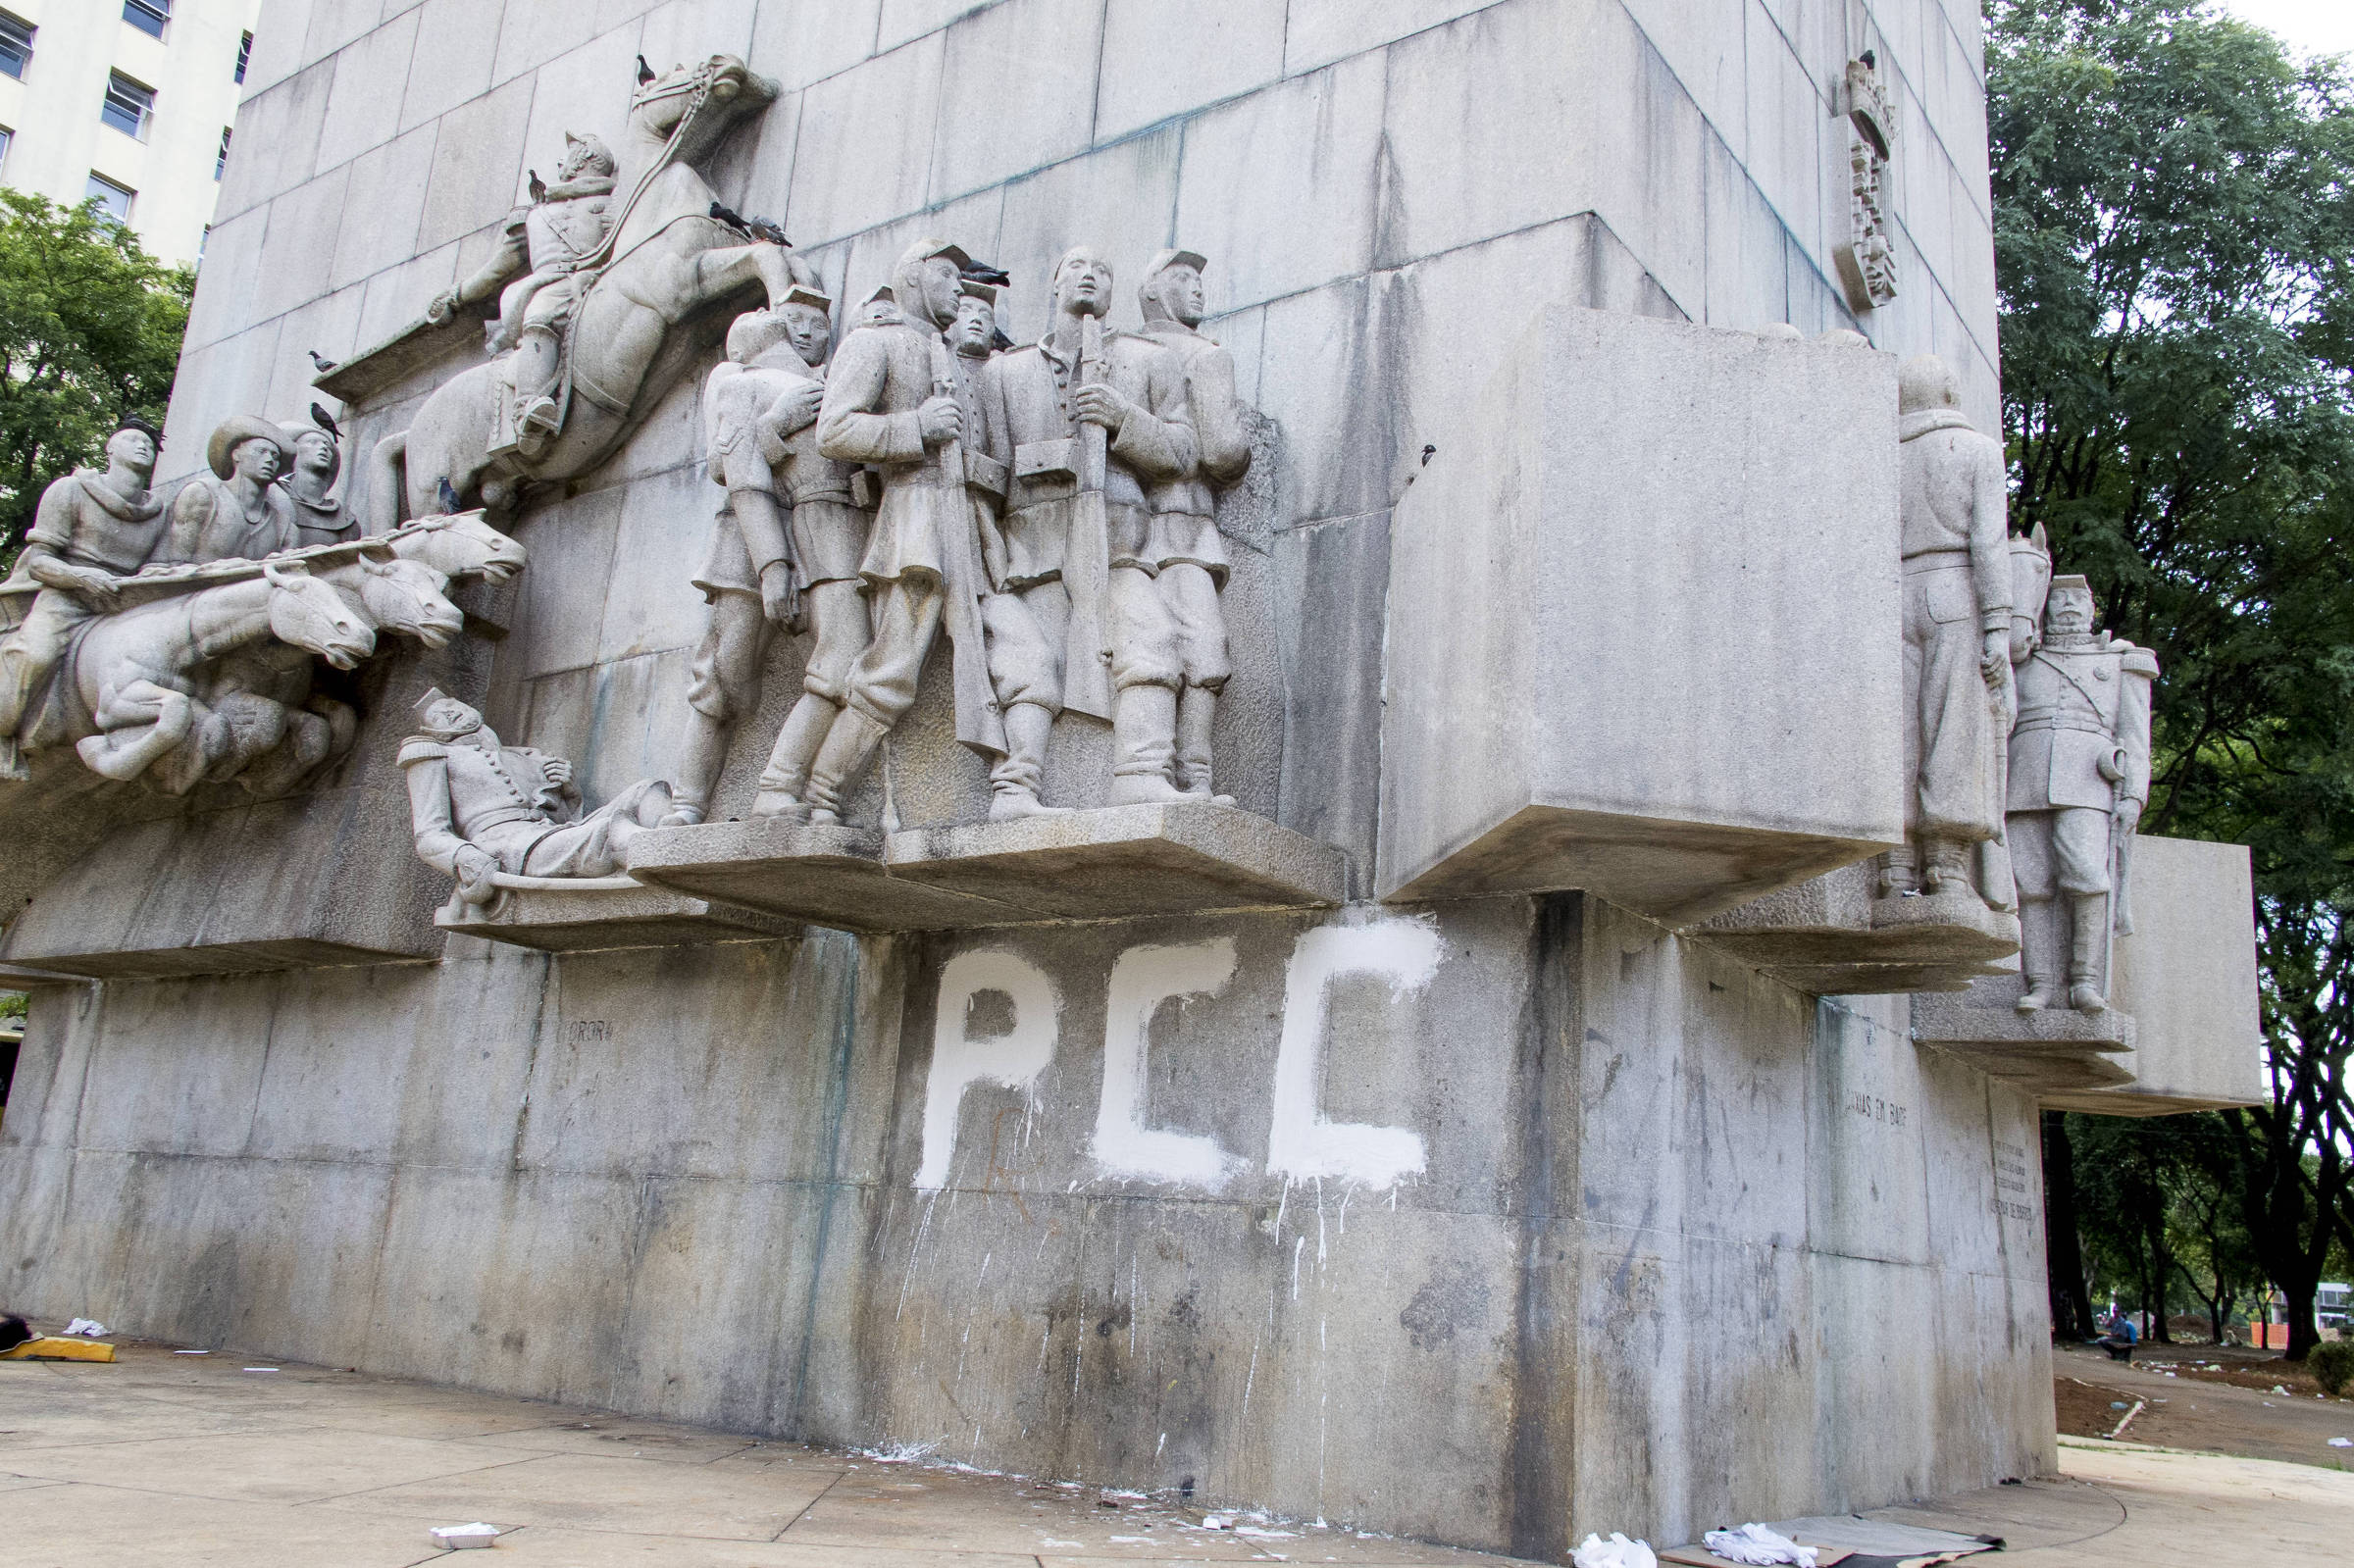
x: 308, y: 613
x: 406, y: 597
x: 460, y: 545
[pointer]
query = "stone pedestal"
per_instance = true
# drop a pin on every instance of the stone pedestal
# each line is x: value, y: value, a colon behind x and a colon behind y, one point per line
x: 570, y: 920
x: 1115, y: 861
x: 1643, y: 622
x: 1831, y: 936
x: 2050, y: 1048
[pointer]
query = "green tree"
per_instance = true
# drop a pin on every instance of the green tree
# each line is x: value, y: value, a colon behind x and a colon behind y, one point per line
x: 2173, y: 208
x: 89, y: 331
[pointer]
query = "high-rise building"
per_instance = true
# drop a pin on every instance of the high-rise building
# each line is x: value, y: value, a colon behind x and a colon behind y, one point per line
x: 126, y: 101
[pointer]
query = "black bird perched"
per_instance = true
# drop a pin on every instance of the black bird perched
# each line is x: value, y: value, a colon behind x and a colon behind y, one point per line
x: 326, y: 422
x: 141, y: 424
x: 450, y: 496
x: 320, y: 362
x: 981, y: 272
x: 646, y: 72
x: 767, y: 228
x: 538, y: 186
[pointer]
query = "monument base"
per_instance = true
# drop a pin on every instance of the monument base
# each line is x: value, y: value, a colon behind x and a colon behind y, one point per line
x: 1115, y: 862
x: 592, y: 919
x: 2048, y: 1048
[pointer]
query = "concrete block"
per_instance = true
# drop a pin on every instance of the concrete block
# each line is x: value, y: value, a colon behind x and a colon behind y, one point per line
x: 384, y: 202
x: 797, y: 42
x: 529, y: 36
x: 334, y: 24
x: 1124, y: 862
x: 590, y: 920
x: 1748, y: 271
x: 371, y: 73
x: 1274, y: 186
x: 1017, y: 91
x: 2188, y: 979
x: 1320, y: 31
x: 1121, y: 199
x: 1643, y: 631
x: 478, y: 164
x: 2053, y: 1048
x: 276, y: 144
x: 1161, y: 60
x: 680, y: 32
x: 1704, y: 45
x: 193, y: 896
x: 229, y: 296
x: 463, y: 37
x: 299, y: 251
x: 866, y: 144
x: 1789, y: 125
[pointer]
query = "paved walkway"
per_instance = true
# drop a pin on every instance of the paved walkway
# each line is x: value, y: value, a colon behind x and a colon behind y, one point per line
x: 191, y: 1461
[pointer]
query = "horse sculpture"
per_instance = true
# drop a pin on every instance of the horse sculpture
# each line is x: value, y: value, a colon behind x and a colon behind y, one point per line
x: 666, y: 260
x: 206, y: 676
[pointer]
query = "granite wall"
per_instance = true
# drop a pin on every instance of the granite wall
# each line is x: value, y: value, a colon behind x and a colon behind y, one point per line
x: 1493, y: 1224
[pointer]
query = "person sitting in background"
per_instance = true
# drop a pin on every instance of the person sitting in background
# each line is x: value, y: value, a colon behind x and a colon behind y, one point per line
x: 2121, y: 1337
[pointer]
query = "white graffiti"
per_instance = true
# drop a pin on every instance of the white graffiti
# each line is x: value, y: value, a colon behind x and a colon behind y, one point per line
x: 1302, y: 1143
x: 1013, y: 1059
x: 1140, y: 981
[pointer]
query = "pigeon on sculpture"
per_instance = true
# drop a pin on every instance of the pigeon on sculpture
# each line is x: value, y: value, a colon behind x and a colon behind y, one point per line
x: 450, y: 496
x: 326, y: 422
x: 320, y: 362
x: 646, y: 72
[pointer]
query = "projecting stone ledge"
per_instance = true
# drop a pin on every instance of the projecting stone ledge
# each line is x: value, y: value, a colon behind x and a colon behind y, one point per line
x: 1832, y: 936
x: 1117, y: 862
x: 2050, y: 1048
x: 574, y: 920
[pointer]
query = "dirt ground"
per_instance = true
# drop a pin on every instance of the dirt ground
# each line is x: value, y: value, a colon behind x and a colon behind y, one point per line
x: 2206, y: 1400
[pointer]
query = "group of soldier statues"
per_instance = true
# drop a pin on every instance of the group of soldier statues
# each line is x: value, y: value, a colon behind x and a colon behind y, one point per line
x: 2028, y: 729
x: 95, y: 533
x: 1051, y: 507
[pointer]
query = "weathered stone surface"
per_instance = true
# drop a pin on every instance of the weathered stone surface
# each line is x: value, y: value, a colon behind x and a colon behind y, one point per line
x: 1125, y: 862
x: 825, y: 876
x: 564, y: 920
x: 1829, y: 935
x: 2187, y: 978
x: 2048, y: 1049
x: 1643, y: 622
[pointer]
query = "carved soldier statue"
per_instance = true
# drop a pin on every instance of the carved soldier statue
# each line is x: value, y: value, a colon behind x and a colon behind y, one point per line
x: 1190, y: 554
x: 2079, y: 775
x: 310, y: 480
x: 90, y: 531
x: 892, y: 401
x: 479, y: 807
x: 533, y: 268
x: 239, y: 512
x: 787, y: 542
x: 1038, y: 402
x: 1957, y: 617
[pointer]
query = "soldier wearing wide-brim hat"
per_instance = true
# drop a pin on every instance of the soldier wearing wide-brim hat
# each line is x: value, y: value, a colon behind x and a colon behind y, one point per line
x: 314, y: 462
x: 237, y: 512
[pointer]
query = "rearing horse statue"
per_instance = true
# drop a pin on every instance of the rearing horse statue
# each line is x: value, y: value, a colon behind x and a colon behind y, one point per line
x: 665, y: 261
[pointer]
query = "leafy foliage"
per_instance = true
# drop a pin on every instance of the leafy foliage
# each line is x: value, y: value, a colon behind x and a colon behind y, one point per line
x: 2333, y: 1365
x: 2173, y: 204
x: 90, y: 327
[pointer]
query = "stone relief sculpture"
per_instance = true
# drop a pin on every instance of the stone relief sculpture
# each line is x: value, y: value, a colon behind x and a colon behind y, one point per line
x: 177, y: 646
x: 1086, y: 423
x: 595, y: 323
x: 1865, y: 258
x: 482, y: 810
x: 1189, y: 552
x: 316, y: 462
x: 894, y: 399
x: 240, y: 512
x: 2080, y: 774
x: 1956, y: 609
x: 786, y: 551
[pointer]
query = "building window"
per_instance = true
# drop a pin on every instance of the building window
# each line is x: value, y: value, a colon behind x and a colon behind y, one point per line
x: 244, y: 55
x: 15, y: 44
x: 112, y: 198
x: 6, y: 136
x: 148, y: 16
x: 203, y: 240
x: 127, y: 105
x: 221, y: 162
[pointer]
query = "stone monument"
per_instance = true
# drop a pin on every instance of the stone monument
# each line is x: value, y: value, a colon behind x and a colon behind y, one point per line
x: 1274, y: 883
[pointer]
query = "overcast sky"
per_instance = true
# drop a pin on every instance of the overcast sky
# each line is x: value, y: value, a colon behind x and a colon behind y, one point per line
x: 2309, y: 27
